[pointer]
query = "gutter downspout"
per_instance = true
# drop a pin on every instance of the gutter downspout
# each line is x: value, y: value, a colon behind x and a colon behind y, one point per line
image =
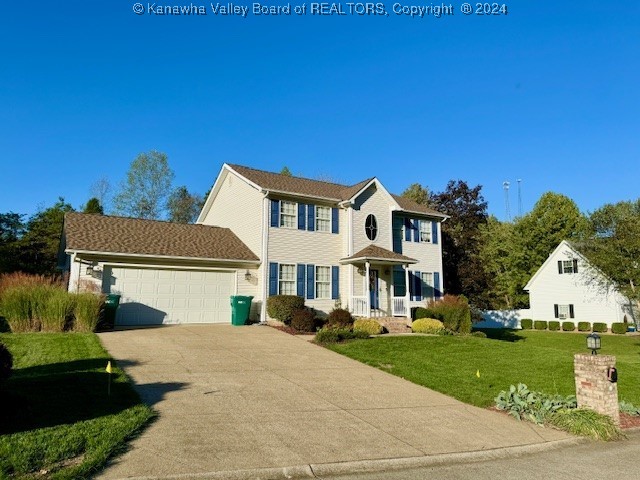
x: 264, y: 257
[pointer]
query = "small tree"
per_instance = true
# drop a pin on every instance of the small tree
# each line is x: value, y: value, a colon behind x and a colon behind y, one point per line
x: 417, y: 193
x: 183, y: 207
x: 93, y: 206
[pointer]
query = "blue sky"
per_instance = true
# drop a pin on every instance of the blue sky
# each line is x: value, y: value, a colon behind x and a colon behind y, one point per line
x: 549, y: 93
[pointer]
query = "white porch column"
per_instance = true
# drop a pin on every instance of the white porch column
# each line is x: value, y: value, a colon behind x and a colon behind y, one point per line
x: 368, y: 284
x: 407, y: 296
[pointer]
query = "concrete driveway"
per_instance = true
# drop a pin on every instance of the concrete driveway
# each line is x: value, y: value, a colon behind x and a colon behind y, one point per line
x: 253, y: 402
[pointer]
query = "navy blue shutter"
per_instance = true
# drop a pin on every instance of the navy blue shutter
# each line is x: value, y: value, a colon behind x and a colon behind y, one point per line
x: 311, y: 218
x: 397, y: 234
x: 571, y: 312
x: 575, y: 267
x: 412, y: 287
x: 437, y: 293
x: 434, y: 233
x: 335, y: 222
x: 416, y: 230
x: 398, y: 281
x: 311, y: 282
x: 335, y: 282
x: 275, y: 213
x: 300, y: 282
x: 302, y: 216
x: 559, y: 267
x: 555, y: 311
x: 273, y: 279
x: 407, y: 230
x: 418, y: 290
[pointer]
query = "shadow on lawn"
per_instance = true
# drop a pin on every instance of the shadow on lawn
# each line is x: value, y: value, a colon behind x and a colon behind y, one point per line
x: 66, y: 393
x: 502, y: 334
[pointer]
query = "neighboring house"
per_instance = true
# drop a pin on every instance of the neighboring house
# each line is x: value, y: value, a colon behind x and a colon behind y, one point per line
x: 568, y: 288
x: 357, y: 246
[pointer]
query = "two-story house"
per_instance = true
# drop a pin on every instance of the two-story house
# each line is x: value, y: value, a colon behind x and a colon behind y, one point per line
x: 261, y: 234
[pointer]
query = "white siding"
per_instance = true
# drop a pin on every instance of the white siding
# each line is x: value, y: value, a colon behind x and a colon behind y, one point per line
x: 592, y: 302
x: 238, y: 206
x: 376, y: 202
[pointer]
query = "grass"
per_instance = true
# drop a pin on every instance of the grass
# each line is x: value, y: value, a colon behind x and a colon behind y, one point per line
x: 55, y: 415
x: 542, y: 360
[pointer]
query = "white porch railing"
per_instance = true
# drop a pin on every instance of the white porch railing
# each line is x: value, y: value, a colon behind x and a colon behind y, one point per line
x: 359, y: 306
x: 399, y: 307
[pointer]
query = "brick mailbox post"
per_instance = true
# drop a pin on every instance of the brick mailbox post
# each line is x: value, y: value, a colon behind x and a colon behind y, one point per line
x: 594, y: 388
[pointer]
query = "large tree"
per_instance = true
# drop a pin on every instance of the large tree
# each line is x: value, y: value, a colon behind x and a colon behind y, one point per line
x: 613, y: 245
x: 467, y: 209
x: 101, y: 189
x: 417, y: 193
x: 11, y: 230
x: 147, y: 187
x: 183, y: 206
x: 39, y: 246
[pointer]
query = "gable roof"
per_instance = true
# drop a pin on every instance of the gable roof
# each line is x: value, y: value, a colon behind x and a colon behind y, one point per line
x: 306, y: 187
x: 378, y: 254
x: 133, y: 236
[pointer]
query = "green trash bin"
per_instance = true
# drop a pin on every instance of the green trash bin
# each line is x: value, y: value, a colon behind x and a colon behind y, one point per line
x: 110, y: 306
x: 240, y: 308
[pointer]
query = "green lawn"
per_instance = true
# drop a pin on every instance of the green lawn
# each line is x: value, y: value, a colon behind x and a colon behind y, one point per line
x: 55, y: 414
x: 542, y: 360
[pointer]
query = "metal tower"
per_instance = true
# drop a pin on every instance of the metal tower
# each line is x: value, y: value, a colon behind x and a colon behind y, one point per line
x: 505, y: 186
x: 519, y: 197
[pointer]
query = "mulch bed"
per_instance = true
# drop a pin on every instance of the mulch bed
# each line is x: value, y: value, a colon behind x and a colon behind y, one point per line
x: 629, y: 421
x: 289, y: 330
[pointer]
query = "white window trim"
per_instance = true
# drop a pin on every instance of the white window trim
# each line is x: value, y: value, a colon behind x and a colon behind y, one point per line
x: 564, y: 312
x: 425, y: 284
x: 281, y: 280
x: 294, y: 215
x: 316, y: 282
x: 318, y: 220
x: 427, y: 231
x: 567, y: 270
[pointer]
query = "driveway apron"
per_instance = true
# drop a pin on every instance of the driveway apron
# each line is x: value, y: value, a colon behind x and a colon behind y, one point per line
x: 240, y: 398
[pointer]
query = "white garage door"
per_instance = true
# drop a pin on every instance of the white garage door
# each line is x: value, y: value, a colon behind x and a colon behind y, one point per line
x: 152, y: 297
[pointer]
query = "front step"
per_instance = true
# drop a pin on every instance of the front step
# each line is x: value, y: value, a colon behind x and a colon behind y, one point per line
x: 395, y: 324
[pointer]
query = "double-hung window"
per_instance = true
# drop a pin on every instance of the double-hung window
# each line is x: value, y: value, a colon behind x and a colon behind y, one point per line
x: 425, y: 231
x: 323, y: 282
x: 287, y: 279
x: 427, y: 285
x: 567, y: 266
x: 323, y: 219
x: 288, y: 214
x: 563, y: 311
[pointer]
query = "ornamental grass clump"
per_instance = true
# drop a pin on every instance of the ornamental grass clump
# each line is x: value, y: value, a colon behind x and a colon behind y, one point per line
x: 586, y: 423
x: 87, y: 311
x: 15, y: 307
x: 452, y: 310
x: 56, y: 314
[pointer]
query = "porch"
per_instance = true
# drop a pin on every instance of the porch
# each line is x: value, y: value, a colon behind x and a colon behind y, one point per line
x: 379, y: 286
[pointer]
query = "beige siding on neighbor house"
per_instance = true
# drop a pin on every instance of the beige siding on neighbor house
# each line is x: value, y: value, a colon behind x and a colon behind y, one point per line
x: 378, y: 203
x: 238, y: 206
x: 592, y: 302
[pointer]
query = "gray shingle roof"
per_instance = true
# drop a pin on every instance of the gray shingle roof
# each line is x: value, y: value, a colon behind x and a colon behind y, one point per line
x: 374, y: 252
x: 134, y: 236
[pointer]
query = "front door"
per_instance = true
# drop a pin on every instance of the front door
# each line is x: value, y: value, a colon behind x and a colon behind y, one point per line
x: 373, y: 289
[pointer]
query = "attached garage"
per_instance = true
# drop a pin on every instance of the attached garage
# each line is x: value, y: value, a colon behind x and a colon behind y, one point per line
x: 166, y: 273
x: 164, y: 296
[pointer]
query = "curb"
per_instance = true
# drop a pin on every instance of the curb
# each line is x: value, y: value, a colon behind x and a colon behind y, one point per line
x: 370, y: 466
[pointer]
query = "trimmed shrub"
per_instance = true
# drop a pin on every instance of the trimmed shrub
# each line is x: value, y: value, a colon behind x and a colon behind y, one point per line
x: 15, y: 306
x: 281, y: 307
x: 87, y: 311
x: 328, y: 335
x: 619, y: 328
x: 540, y: 324
x: 421, y: 312
x: 6, y: 363
x: 368, y: 325
x: 568, y: 326
x: 600, y: 327
x: 304, y: 320
x: 339, y: 317
x: 452, y: 310
x: 584, y: 327
x: 526, y: 324
x: 479, y: 334
x: 554, y: 325
x: 427, y: 325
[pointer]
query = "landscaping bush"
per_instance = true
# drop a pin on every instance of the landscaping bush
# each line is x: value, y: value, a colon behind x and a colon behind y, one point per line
x: 281, y: 307
x: 540, y: 324
x: 619, y: 328
x: 584, y: 327
x: 479, y: 334
x: 585, y: 422
x: 600, y: 327
x: 427, y: 325
x: 526, y: 324
x: 339, y: 317
x: 87, y: 311
x: 328, y: 335
x: 6, y: 363
x: 303, y: 320
x: 15, y: 306
x: 452, y: 310
x: 629, y: 408
x: 554, y: 325
x: 421, y: 312
x: 568, y: 326
x: 536, y: 407
x: 368, y: 325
